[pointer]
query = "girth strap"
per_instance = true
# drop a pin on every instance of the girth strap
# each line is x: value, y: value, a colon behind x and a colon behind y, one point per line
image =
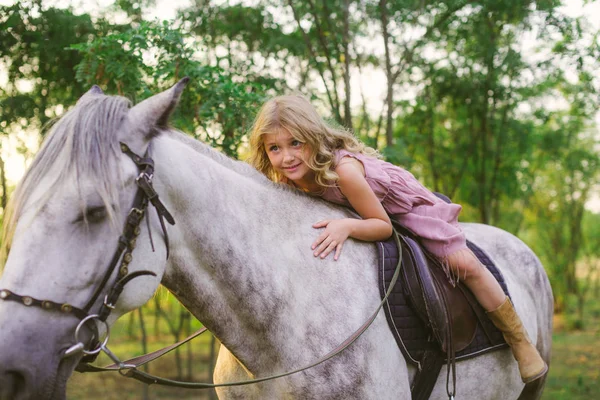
x: 426, y: 378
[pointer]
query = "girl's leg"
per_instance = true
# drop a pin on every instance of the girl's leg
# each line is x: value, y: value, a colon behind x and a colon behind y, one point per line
x: 500, y: 310
x: 477, y: 278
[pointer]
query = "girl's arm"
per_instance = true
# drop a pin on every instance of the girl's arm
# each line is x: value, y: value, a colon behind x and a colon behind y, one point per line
x: 375, y: 224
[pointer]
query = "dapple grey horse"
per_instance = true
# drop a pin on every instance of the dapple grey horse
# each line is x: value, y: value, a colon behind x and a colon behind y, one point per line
x: 240, y: 261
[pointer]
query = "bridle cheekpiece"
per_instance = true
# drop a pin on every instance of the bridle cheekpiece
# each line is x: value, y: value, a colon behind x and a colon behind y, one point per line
x: 122, y: 258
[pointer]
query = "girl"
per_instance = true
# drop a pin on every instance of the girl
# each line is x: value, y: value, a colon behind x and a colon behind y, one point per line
x: 292, y: 144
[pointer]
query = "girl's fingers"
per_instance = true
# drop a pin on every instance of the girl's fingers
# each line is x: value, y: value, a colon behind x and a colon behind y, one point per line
x: 338, y: 251
x: 321, y: 247
x: 329, y: 249
x: 319, y: 240
x: 321, y: 224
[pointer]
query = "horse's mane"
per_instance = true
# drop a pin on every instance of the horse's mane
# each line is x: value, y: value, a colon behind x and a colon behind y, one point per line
x: 239, y: 167
x: 84, y: 143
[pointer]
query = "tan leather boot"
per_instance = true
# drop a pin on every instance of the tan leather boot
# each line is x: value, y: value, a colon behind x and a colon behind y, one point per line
x: 531, y: 364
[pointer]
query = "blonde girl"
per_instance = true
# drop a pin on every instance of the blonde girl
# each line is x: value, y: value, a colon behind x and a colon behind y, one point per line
x: 292, y: 144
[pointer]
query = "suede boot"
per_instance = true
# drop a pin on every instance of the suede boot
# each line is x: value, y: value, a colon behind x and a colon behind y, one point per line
x: 531, y: 364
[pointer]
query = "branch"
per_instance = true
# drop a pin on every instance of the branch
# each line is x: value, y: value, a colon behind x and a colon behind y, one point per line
x: 319, y: 68
x: 346, y: 40
x: 409, y: 52
x: 321, y: 37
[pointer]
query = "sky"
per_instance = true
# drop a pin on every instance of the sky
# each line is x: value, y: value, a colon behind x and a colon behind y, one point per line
x: 166, y: 9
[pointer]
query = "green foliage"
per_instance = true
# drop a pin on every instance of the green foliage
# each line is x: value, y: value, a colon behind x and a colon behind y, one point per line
x: 134, y: 8
x: 591, y: 232
x: 33, y: 50
x: 217, y: 106
x: 464, y: 125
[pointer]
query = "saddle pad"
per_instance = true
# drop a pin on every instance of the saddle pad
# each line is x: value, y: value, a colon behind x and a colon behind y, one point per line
x: 412, y: 335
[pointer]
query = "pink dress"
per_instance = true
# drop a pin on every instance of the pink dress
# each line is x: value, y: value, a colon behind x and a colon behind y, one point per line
x: 409, y: 203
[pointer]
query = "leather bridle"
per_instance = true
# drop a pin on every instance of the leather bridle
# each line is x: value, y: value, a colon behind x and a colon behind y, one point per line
x: 122, y: 257
x: 127, y: 241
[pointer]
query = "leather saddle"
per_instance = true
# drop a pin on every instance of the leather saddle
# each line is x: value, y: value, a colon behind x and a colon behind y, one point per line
x: 441, y: 303
x: 433, y: 319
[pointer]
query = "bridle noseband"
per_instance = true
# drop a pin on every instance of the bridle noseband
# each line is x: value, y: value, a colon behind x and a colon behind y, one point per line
x: 122, y: 257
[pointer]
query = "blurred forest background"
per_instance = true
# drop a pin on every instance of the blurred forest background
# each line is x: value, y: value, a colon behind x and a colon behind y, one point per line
x: 494, y: 103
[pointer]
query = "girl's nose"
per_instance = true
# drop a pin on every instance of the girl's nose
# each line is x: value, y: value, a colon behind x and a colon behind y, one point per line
x: 288, y: 156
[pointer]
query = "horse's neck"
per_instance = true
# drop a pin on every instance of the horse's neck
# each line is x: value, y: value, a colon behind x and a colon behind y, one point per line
x: 234, y: 262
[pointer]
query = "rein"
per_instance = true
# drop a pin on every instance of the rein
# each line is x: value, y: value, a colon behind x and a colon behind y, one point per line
x: 129, y: 368
x: 147, y: 195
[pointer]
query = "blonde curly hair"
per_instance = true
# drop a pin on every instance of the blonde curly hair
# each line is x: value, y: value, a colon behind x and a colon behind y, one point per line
x: 295, y: 114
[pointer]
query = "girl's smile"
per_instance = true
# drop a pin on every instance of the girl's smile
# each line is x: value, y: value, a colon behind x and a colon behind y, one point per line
x: 287, y: 156
x: 292, y: 168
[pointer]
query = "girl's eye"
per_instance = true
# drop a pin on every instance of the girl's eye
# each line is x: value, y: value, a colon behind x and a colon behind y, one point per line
x: 296, y: 143
x: 273, y: 148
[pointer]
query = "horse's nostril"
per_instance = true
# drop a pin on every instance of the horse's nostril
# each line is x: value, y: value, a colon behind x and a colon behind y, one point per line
x: 11, y: 384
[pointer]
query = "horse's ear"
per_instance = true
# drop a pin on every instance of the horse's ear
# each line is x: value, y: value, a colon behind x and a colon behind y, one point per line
x: 94, y: 91
x: 156, y: 110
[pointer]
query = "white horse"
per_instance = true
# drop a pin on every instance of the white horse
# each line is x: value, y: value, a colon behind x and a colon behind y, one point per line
x: 240, y: 261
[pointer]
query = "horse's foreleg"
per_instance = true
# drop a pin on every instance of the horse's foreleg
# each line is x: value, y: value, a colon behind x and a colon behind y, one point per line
x: 229, y: 369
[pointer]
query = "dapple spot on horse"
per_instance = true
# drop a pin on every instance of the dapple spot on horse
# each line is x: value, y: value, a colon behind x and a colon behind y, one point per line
x: 240, y: 261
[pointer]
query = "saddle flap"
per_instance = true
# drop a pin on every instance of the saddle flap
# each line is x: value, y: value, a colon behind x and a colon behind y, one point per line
x: 463, y: 322
x: 440, y: 304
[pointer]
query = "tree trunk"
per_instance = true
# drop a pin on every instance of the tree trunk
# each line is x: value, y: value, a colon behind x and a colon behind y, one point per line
x: 331, y: 93
x: 430, y: 129
x: 3, y: 185
x: 346, y: 40
x: 145, y: 394
x: 389, y: 138
x: 130, y: 325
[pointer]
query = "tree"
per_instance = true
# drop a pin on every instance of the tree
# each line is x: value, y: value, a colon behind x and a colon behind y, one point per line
x: 34, y: 50
x: 466, y: 128
x: 571, y: 166
x: 399, y: 21
x: 568, y: 158
x: 39, y: 67
x: 216, y: 106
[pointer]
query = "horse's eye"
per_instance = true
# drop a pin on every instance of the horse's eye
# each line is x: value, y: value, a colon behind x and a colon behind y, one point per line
x: 93, y: 215
x: 96, y: 214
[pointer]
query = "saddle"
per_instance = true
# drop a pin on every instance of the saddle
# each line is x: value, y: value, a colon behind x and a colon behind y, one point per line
x: 436, y: 300
x: 433, y: 319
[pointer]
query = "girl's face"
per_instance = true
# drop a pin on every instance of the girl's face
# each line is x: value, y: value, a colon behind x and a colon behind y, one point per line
x: 287, y: 156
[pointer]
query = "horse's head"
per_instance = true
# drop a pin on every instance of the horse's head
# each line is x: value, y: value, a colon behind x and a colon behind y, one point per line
x: 70, y: 235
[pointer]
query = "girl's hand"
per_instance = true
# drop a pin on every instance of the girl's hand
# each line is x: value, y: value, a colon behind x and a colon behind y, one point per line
x: 332, y: 238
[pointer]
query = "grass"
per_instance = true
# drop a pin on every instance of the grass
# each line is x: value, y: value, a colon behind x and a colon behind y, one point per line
x: 575, y: 364
x: 111, y: 385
